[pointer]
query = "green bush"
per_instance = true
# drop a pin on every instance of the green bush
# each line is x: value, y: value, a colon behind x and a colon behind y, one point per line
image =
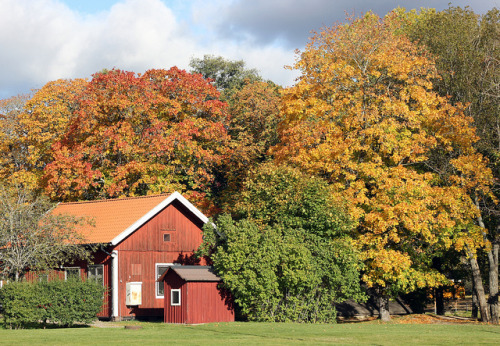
x: 20, y: 304
x: 58, y: 302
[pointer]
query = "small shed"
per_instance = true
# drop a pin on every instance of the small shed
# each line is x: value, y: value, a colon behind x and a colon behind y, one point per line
x: 193, y: 295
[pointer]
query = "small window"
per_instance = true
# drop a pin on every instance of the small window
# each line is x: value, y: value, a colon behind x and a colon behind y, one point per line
x: 72, y: 273
x: 160, y: 269
x: 96, y: 273
x: 175, y: 297
x: 166, y: 237
x: 43, y: 277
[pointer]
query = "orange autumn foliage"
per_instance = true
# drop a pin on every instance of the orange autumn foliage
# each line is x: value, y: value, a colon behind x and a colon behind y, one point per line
x: 135, y: 134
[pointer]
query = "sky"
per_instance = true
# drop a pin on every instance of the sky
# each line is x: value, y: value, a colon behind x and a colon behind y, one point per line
x: 44, y: 40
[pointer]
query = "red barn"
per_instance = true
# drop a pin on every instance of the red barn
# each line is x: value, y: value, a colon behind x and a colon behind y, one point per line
x: 192, y: 295
x: 140, y: 239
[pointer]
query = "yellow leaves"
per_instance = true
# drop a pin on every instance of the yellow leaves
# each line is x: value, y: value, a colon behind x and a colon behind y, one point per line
x: 363, y: 115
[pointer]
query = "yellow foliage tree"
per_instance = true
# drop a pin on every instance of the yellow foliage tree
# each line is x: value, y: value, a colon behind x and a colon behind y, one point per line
x: 31, y: 124
x: 363, y: 115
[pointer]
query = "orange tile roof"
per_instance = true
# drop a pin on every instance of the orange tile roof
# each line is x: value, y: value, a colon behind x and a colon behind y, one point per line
x: 111, y: 217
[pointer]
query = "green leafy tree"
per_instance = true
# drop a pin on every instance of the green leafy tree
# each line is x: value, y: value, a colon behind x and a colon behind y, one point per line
x: 286, y: 255
x: 227, y: 75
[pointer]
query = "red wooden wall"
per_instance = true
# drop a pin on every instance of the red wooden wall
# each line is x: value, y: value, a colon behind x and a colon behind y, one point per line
x: 201, y: 302
x: 206, y: 303
x: 139, y: 253
x: 175, y: 314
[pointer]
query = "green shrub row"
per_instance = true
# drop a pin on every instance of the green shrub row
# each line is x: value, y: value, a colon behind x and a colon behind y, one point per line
x: 27, y: 304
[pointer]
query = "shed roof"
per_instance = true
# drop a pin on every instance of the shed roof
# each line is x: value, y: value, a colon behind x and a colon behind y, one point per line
x: 192, y: 273
x: 116, y: 219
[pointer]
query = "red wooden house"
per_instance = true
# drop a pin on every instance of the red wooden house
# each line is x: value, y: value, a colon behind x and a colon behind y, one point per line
x: 140, y: 239
x: 192, y: 295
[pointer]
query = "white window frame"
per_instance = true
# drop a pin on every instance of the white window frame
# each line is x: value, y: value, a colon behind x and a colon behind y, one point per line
x: 157, y: 276
x: 66, y: 272
x: 92, y: 266
x: 172, y: 291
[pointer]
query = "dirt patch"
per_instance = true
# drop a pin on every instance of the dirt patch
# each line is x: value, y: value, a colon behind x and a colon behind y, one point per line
x: 105, y: 324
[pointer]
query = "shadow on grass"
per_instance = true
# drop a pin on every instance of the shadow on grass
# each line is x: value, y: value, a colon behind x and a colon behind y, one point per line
x: 43, y: 326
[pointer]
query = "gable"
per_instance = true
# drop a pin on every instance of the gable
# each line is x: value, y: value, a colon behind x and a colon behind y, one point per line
x: 114, y: 220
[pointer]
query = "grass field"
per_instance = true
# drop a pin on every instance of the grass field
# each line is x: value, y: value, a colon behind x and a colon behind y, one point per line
x: 260, y: 333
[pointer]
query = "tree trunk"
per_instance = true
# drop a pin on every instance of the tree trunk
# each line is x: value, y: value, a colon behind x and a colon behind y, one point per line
x: 438, y: 295
x: 383, y: 307
x: 474, y: 308
x: 478, y: 283
x: 493, y: 281
x: 493, y: 273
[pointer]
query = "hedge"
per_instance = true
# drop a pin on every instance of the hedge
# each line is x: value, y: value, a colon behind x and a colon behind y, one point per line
x: 63, y: 303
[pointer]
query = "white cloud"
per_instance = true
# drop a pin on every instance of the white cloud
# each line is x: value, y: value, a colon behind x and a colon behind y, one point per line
x: 43, y: 40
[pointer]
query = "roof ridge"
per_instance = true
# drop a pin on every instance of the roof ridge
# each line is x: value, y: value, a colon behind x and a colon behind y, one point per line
x: 116, y: 199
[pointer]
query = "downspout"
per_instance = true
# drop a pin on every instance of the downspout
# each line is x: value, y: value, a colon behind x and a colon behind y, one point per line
x: 114, y: 286
x: 113, y: 282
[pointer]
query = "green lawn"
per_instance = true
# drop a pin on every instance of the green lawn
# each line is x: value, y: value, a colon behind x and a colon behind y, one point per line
x: 260, y: 333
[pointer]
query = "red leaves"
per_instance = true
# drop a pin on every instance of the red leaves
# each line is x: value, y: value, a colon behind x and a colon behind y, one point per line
x: 134, y: 135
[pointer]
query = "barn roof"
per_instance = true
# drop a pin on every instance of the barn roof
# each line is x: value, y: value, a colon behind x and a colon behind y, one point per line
x: 116, y: 219
x: 193, y: 273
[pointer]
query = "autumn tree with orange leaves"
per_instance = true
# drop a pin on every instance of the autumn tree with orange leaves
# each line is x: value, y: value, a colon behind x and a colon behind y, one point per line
x: 140, y: 134
x: 363, y: 115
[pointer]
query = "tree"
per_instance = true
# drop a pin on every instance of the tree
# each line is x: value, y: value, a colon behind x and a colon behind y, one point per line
x: 12, y: 153
x: 467, y: 50
x: 140, y: 134
x: 253, y: 126
x: 31, y: 237
x: 286, y: 256
x: 363, y: 116
x: 34, y: 123
x: 227, y: 75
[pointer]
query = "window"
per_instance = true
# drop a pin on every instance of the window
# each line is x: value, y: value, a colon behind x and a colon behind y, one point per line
x: 166, y: 237
x: 72, y: 273
x: 160, y: 269
x: 175, y: 297
x: 96, y: 273
x: 43, y: 277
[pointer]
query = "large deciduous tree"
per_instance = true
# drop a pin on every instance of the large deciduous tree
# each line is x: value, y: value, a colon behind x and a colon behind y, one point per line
x: 139, y: 134
x: 286, y: 255
x: 363, y: 115
x: 32, y: 124
x: 467, y: 50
